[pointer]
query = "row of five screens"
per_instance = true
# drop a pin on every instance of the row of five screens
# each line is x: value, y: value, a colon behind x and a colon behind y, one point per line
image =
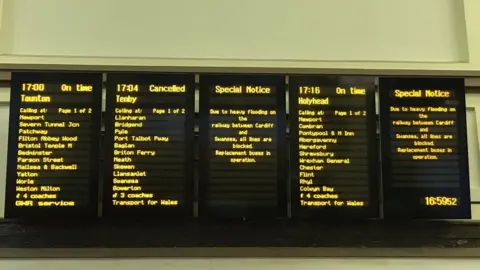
x: 255, y: 155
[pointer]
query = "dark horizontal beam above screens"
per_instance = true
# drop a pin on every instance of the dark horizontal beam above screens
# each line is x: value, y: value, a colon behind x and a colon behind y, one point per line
x: 470, y: 80
x: 222, y: 68
x: 365, y: 235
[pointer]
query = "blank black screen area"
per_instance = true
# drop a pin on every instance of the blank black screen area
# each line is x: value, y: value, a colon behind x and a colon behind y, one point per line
x: 334, y: 156
x: 53, y: 145
x: 424, y: 148
x: 149, y: 145
x: 242, y: 146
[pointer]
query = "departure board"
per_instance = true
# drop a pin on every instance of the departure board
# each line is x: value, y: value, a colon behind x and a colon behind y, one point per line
x: 242, y: 146
x: 424, y: 148
x: 149, y: 145
x: 334, y: 154
x: 53, y: 145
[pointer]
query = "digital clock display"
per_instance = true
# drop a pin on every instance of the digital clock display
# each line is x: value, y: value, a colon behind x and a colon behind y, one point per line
x: 441, y: 201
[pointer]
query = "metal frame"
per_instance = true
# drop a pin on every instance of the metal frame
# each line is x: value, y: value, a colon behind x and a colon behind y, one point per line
x: 473, y: 103
x: 137, y: 253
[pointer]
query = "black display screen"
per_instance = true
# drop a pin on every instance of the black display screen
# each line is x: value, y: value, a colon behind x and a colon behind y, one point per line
x: 53, y: 150
x: 424, y: 148
x: 242, y: 146
x: 333, y: 154
x: 149, y: 145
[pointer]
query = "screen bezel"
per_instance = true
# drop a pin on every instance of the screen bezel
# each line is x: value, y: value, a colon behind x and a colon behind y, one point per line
x: 325, y: 214
x: 206, y: 80
x: 159, y: 213
x: 458, y: 85
x: 38, y: 214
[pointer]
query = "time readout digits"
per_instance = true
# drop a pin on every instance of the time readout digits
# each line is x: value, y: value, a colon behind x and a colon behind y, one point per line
x: 440, y: 201
x: 332, y: 144
x: 147, y: 137
x: 53, y: 145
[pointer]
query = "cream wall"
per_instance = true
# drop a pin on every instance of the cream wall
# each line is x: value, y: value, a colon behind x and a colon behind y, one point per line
x: 244, y: 264
x: 316, y: 35
x: 473, y: 140
x: 310, y: 30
